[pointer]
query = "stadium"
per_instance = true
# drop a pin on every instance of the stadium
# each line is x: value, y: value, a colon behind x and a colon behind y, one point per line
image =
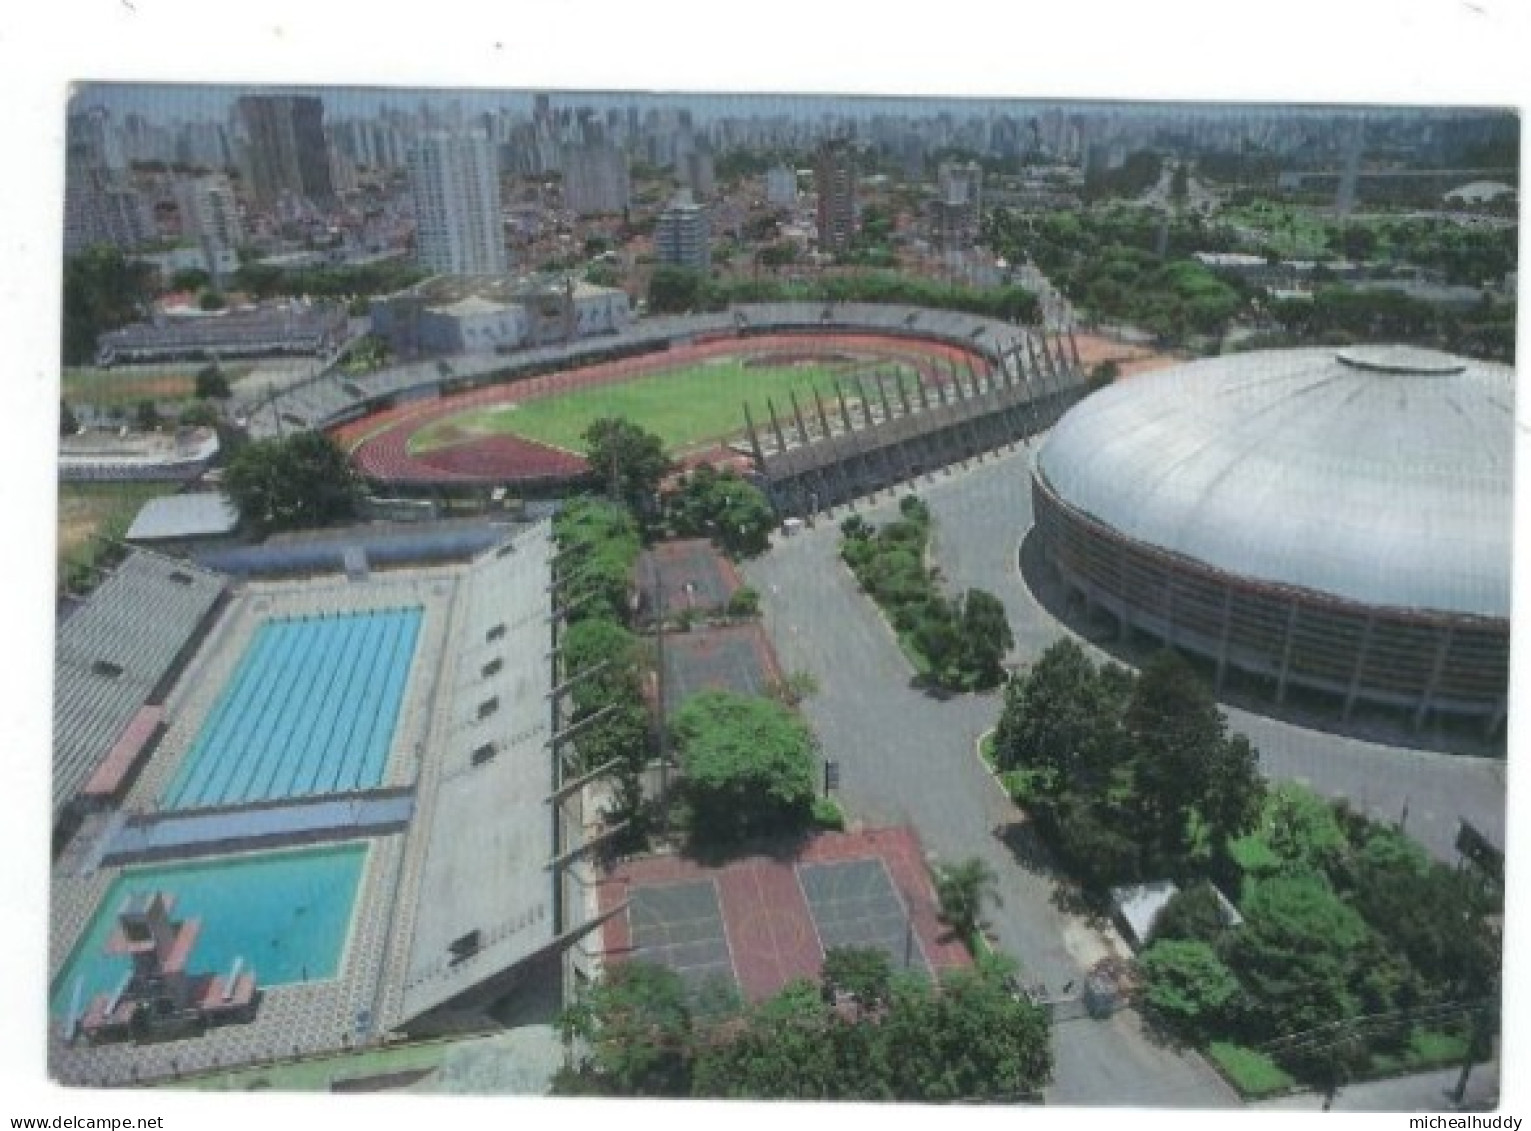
x: 344, y: 783
x: 741, y: 386
x: 1328, y: 523
x: 308, y: 795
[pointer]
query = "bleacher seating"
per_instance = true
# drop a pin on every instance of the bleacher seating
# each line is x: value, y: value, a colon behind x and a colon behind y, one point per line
x: 114, y: 651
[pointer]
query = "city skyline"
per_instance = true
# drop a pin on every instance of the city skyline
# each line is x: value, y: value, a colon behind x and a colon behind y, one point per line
x: 190, y: 101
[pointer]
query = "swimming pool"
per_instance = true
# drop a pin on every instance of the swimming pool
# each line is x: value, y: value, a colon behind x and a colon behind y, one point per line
x: 287, y: 914
x: 310, y: 709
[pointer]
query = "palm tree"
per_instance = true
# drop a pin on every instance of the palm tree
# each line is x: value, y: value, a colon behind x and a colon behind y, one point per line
x: 963, y: 889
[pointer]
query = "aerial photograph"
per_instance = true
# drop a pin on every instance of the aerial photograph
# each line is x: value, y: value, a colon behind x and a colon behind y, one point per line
x: 804, y: 597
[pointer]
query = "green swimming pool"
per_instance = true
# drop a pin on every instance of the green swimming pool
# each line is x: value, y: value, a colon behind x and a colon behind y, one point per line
x: 286, y: 914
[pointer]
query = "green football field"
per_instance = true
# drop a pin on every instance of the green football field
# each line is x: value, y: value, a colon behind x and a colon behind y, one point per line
x: 686, y: 407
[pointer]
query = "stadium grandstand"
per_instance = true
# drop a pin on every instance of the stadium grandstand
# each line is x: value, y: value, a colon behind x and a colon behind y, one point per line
x: 344, y: 778
x: 137, y: 457
x: 264, y: 331
x: 335, y: 398
x: 115, y: 655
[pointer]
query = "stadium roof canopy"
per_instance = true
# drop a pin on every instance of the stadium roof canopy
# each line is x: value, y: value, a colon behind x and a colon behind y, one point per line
x: 1380, y: 475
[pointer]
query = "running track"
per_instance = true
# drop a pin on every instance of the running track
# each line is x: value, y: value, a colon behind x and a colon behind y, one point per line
x: 379, y: 443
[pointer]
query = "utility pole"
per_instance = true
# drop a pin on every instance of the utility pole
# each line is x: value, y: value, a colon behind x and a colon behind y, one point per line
x: 664, y: 723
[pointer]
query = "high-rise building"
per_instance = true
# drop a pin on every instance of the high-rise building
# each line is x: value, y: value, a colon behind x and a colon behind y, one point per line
x: 99, y: 142
x: 209, y: 211
x: 957, y: 208
x: 835, y: 179
x: 697, y: 173
x: 781, y: 186
x: 98, y: 207
x: 286, y: 152
x: 455, y: 180
x: 595, y: 179
x: 680, y: 236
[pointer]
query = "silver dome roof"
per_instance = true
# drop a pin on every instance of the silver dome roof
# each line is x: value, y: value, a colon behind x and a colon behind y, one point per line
x: 1375, y: 474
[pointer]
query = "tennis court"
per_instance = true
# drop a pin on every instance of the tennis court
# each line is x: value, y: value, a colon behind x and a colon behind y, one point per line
x: 763, y: 920
x: 737, y: 658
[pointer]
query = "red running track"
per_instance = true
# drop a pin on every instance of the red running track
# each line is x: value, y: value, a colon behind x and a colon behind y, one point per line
x: 379, y: 443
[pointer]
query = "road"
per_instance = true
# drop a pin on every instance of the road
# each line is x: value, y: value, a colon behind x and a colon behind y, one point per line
x: 981, y: 515
x: 909, y: 758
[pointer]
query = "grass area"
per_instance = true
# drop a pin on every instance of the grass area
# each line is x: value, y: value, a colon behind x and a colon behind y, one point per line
x: 1428, y: 1048
x: 87, y: 510
x: 125, y: 387
x: 318, y: 1074
x: 685, y: 407
x: 1253, y: 1073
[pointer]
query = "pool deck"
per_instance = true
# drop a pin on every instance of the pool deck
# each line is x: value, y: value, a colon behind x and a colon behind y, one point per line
x: 292, y: 1020
x: 473, y: 855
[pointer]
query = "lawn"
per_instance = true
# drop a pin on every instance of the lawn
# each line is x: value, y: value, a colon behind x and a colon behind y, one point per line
x: 125, y: 386
x: 1253, y: 1073
x: 686, y: 408
x: 104, y: 509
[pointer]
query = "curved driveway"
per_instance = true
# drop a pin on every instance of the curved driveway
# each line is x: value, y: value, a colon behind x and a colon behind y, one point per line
x: 908, y: 758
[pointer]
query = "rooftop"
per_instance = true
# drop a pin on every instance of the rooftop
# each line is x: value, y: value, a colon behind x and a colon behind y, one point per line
x: 202, y: 515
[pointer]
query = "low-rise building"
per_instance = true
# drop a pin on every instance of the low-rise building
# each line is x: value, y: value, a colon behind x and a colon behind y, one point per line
x: 451, y: 314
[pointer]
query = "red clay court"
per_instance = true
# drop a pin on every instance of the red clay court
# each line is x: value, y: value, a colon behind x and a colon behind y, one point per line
x: 761, y: 921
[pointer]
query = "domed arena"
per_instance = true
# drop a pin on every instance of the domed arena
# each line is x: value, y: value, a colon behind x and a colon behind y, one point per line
x: 1326, y: 521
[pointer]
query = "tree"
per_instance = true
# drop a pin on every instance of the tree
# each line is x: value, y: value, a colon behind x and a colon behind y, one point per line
x: 964, y: 889
x: 1103, y: 373
x: 1298, y: 952
x: 793, y: 1046
x: 1059, y: 721
x: 1187, y: 988
x: 676, y: 290
x: 986, y: 638
x: 68, y: 425
x: 863, y: 974
x: 146, y: 416
x: 748, y: 765
x: 210, y: 301
x: 190, y: 279
x: 102, y: 291
x: 1193, y: 914
x: 721, y: 505
x: 302, y: 481
x: 637, y: 1026
x: 1176, y: 731
x: 968, y: 1038
x: 212, y: 384
x: 630, y: 460
x: 199, y: 414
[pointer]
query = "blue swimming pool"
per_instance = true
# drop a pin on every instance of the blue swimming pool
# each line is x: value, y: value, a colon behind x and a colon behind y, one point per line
x: 287, y: 914
x: 310, y: 709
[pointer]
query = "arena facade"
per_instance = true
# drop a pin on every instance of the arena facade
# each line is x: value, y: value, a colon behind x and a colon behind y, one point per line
x: 1331, y: 521
x: 215, y: 737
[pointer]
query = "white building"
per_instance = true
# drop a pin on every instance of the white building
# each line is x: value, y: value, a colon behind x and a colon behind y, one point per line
x: 681, y: 235
x: 453, y: 314
x: 456, y: 188
x: 595, y: 179
x: 781, y: 186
